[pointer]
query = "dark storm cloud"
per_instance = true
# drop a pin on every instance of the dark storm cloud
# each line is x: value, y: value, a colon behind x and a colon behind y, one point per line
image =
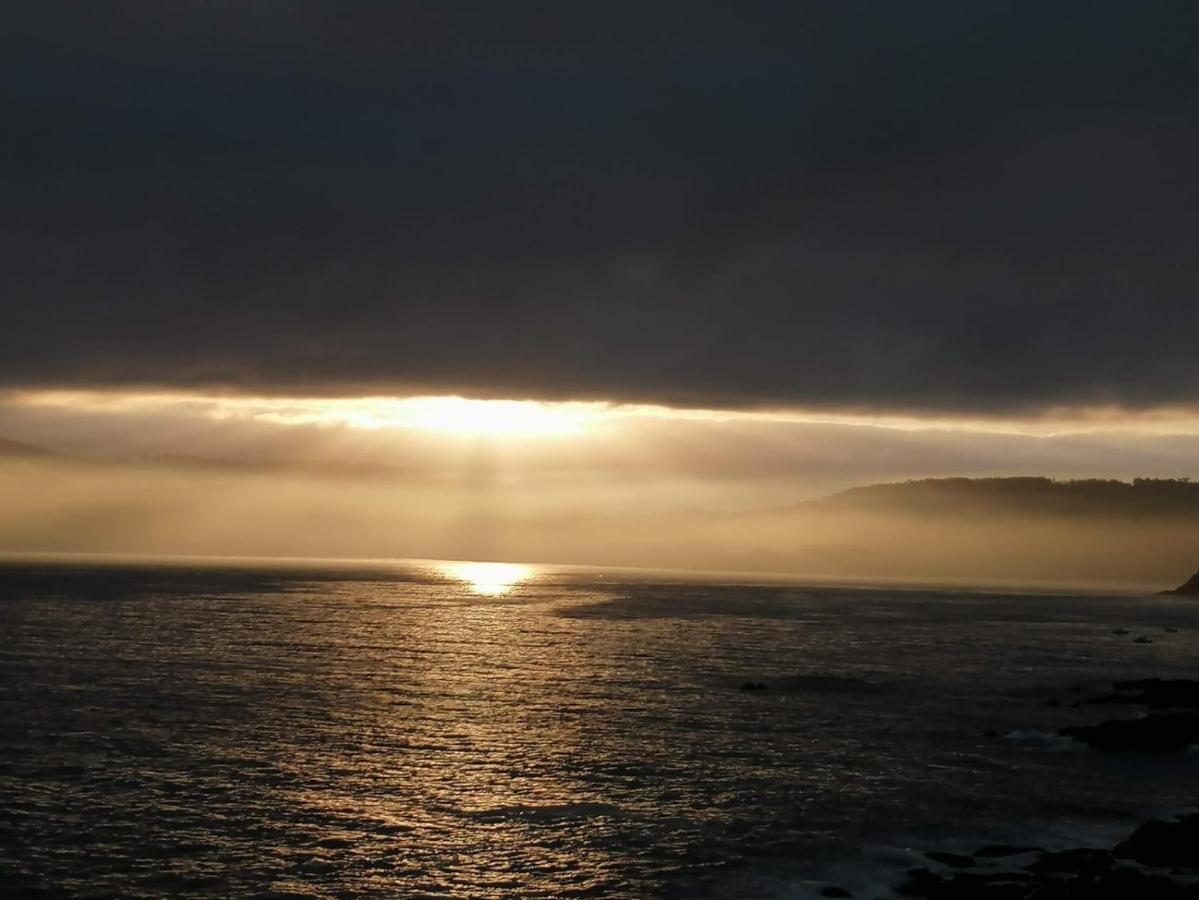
x: 921, y: 205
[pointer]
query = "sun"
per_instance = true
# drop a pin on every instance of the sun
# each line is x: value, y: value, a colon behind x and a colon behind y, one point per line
x: 488, y: 579
x: 454, y: 415
x: 458, y: 415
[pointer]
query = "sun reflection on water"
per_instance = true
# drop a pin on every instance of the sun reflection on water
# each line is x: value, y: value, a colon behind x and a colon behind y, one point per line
x: 487, y: 578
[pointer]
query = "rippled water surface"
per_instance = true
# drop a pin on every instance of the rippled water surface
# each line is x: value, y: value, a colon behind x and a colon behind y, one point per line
x: 421, y: 730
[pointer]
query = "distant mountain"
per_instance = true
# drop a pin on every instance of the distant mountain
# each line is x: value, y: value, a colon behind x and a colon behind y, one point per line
x: 1023, y: 496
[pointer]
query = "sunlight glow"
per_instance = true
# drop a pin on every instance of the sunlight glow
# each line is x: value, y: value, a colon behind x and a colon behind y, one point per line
x: 444, y: 415
x: 519, y: 419
x: 458, y: 415
x: 488, y: 579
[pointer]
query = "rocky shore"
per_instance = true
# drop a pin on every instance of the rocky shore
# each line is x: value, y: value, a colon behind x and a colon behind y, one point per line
x: 1171, y: 726
x: 1159, y: 860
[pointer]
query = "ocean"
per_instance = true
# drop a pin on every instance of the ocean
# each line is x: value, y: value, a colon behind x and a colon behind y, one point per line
x: 429, y: 730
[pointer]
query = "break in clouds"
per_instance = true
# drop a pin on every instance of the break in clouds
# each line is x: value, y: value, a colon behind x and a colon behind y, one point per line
x: 659, y: 492
x: 982, y: 207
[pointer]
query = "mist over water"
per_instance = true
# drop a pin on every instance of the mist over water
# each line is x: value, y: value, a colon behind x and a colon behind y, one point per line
x: 986, y: 531
x: 424, y: 730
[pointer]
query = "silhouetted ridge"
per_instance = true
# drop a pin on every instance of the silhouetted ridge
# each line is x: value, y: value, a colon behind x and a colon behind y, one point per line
x: 1091, y: 496
x: 1189, y: 589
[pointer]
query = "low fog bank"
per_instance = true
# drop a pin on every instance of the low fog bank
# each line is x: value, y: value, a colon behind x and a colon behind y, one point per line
x: 982, y: 531
x: 1008, y: 548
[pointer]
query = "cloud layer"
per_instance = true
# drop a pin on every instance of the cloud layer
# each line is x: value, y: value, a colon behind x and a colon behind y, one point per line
x: 935, y: 206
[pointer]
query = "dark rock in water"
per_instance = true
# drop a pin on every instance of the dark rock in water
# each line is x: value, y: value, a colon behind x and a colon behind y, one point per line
x: 969, y: 886
x: 1152, y: 734
x: 957, y: 860
x: 753, y: 686
x: 992, y: 851
x: 1080, y: 861
x: 1083, y: 873
x: 1142, y: 640
x: 834, y: 891
x: 1116, y: 883
x: 1127, y: 884
x: 921, y: 883
x: 1169, y: 630
x: 1156, y: 693
x: 1164, y: 843
x: 1120, y: 631
x: 1189, y: 589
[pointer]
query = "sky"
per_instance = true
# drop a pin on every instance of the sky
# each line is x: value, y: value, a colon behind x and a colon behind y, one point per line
x: 758, y: 250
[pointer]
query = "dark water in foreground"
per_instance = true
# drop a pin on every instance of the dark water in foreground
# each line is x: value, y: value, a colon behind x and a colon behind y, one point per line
x: 222, y: 732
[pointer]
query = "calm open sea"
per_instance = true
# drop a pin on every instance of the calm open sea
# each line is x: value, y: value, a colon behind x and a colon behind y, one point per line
x: 429, y: 730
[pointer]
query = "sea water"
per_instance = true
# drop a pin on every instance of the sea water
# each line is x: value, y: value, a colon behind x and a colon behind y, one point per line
x: 416, y: 730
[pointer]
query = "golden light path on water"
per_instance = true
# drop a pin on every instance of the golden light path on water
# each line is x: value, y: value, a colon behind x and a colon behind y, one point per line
x: 490, y: 579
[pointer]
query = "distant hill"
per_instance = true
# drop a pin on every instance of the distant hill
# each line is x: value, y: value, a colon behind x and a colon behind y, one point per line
x: 1144, y: 531
x: 1023, y: 496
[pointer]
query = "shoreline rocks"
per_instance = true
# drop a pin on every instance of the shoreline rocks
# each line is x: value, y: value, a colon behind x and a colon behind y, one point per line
x: 1080, y: 873
x: 1172, y: 726
x: 1173, y: 843
x: 1154, y: 693
x: 1156, y: 733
